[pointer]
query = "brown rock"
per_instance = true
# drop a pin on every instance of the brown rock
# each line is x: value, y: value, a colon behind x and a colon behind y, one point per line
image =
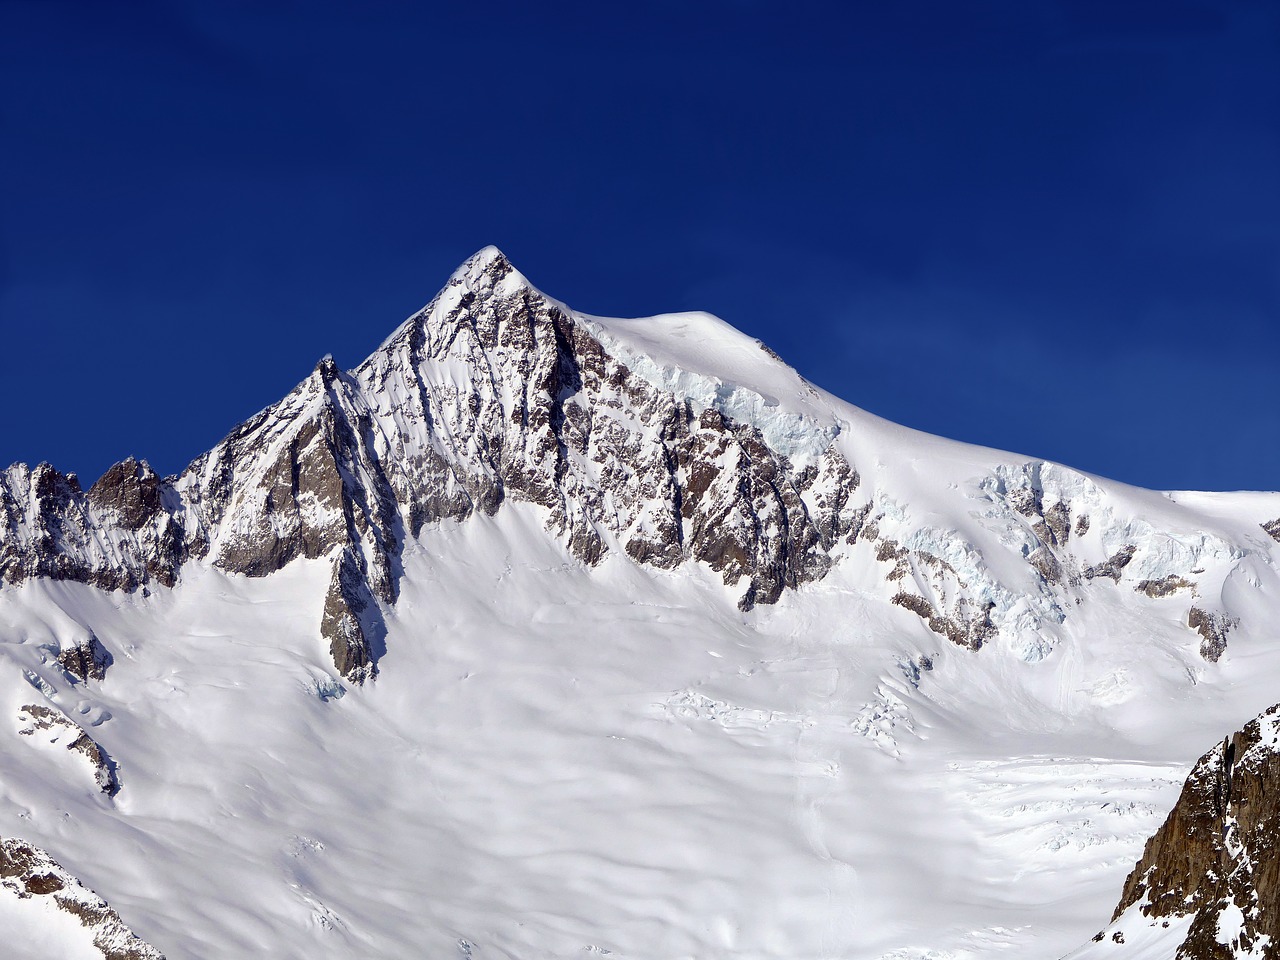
x: 1213, y: 629
x: 1113, y: 565
x: 132, y: 490
x: 1164, y: 587
x: 87, y: 660
x: 1219, y: 848
x: 28, y: 872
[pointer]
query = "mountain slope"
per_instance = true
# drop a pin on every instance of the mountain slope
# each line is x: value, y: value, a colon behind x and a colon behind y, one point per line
x: 540, y: 632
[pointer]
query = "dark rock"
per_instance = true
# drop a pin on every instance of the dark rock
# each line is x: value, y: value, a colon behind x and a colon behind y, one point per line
x: 1058, y: 519
x: 1026, y: 500
x: 1213, y: 629
x: 1272, y: 527
x: 87, y: 660
x: 1164, y: 587
x: 341, y: 623
x: 970, y: 631
x: 132, y: 490
x: 1113, y: 565
x: 1046, y: 564
x: 105, y: 771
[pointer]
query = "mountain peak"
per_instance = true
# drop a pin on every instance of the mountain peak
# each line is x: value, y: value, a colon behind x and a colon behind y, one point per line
x: 673, y: 439
x: 485, y: 255
x: 488, y: 271
x: 485, y: 275
x: 326, y: 369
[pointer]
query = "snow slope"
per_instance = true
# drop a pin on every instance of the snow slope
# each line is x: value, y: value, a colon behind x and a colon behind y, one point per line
x: 564, y: 756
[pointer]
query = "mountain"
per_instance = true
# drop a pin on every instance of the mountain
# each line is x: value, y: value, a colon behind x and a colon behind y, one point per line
x: 539, y: 633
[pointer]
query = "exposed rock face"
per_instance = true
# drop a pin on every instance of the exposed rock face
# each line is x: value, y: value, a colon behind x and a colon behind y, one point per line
x: 1272, y: 527
x: 29, y: 872
x: 1217, y: 856
x: 965, y: 630
x: 126, y: 531
x: 1165, y: 586
x: 87, y: 660
x: 54, y: 727
x: 1213, y: 629
x: 1113, y: 566
x: 131, y: 491
x: 344, y: 605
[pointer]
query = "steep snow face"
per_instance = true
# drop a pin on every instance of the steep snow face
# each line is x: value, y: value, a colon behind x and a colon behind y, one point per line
x: 675, y: 654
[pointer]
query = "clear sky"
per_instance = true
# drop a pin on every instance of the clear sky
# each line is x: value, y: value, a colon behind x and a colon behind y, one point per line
x: 1049, y: 227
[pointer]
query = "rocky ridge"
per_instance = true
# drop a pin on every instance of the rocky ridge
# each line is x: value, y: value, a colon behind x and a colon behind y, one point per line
x: 30, y: 872
x: 1216, y: 859
x: 492, y: 393
x: 51, y: 726
x: 495, y: 393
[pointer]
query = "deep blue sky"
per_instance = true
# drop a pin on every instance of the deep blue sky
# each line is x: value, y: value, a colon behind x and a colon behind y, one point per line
x: 1050, y: 227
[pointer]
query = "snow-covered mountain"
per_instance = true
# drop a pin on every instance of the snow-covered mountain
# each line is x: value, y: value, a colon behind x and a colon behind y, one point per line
x: 540, y: 633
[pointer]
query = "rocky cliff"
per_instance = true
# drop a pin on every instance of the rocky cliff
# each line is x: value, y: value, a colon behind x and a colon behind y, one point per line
x: 1216, y: 860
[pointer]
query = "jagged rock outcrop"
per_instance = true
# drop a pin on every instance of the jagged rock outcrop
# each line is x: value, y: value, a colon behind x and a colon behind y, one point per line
x: 56, y: 728
x: 1165, y: 586
x: 344, y: 605
x: 127, y: 530
x: 1113, y: 567
x: 1272, y: 528
x: 1216, y: 859
x: 963, y: 628
x: 495, y: 393
x: 1213, y: 629
x: 86, y: 660
x: 132, y: 491
x: 29, y: 872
